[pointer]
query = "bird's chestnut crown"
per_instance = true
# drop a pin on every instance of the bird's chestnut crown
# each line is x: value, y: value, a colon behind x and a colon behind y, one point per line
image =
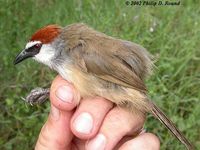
x: 46, y: 34
x: 39, y: 43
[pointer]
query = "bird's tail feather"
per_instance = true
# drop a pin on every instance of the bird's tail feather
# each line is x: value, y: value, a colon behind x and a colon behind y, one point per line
x: 170, y: 125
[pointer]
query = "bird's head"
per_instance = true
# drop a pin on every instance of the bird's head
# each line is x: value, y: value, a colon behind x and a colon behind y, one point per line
x: 41, y: 45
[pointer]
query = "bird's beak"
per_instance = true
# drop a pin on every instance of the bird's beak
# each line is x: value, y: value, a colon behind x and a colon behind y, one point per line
x: 23, y: 55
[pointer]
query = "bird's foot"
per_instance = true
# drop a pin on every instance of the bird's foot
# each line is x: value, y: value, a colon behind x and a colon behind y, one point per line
x: 37, y: 96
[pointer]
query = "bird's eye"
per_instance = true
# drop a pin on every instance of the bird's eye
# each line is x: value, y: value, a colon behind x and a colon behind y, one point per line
x: 38, y: 45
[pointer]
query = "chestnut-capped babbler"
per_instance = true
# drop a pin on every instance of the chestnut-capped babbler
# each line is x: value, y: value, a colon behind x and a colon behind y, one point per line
x: 98, y: 65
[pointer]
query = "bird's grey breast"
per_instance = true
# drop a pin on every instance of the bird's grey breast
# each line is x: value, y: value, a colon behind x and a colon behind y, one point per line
x: 61, y: 61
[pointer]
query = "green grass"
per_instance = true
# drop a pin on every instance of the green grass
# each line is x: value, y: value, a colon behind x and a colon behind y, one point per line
x: 175, y: 42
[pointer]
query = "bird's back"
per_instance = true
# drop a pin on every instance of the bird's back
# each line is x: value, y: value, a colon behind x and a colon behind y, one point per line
x: 106, y: 66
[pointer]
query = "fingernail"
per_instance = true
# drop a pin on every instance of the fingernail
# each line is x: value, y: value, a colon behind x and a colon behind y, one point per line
x: 98, y: 143
x: 65, y: 94
x: 55, y: 113
x: 83, y: 123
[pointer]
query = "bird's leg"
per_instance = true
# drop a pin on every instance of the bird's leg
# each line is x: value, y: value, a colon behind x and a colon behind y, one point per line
x: 37, y: 96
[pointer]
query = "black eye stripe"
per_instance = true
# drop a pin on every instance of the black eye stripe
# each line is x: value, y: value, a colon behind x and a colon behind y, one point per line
x: 34, y: 48
x: 31, y: 49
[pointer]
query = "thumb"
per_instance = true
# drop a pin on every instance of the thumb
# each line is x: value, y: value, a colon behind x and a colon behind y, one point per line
x: 56, y: 133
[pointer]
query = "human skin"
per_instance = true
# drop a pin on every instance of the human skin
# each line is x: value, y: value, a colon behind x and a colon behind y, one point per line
x: 94, y: 124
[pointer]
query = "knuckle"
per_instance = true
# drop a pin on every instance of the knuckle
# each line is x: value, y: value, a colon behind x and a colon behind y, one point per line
x: 123, y: 121
x: 118, y: 120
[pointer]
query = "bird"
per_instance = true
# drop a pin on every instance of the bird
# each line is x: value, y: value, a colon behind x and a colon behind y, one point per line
x: 99, y: 65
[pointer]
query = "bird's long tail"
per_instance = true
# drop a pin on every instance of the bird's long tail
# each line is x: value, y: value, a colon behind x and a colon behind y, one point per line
x: 170, y: 125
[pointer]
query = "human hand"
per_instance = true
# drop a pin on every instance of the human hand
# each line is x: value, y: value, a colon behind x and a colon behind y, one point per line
x: 95, y: 124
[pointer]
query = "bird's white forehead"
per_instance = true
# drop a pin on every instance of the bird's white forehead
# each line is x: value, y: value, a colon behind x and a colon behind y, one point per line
x: 31, y: 43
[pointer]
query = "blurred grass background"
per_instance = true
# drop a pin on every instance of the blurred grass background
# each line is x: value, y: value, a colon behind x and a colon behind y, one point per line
x: 171, y: 33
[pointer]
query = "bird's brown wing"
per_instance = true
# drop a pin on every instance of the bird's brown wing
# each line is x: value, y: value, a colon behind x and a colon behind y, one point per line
x: 107, y: 66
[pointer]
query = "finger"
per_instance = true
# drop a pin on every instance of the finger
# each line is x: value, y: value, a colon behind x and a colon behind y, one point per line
x: 56, y: 133
x: 128, y: 138
x: 116, y: 125
x: 145, y: 141
x: 89, y: 116
x: 63, y: 95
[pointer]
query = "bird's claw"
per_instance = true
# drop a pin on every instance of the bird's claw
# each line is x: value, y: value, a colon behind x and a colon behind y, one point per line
x: 37, y: 96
